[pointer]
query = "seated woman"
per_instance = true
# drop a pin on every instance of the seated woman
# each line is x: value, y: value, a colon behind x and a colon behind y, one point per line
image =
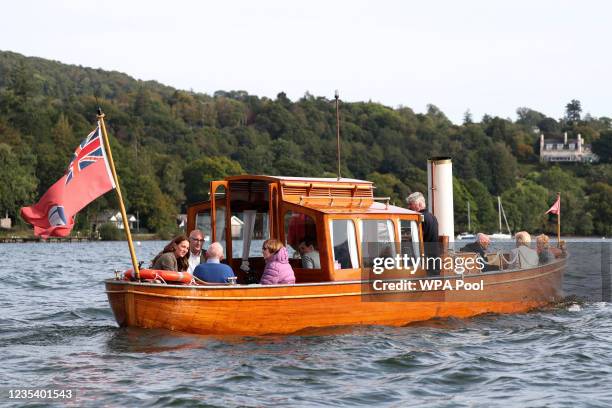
x: 523, y: 257
x: 278, y: 270
x: 174, y: 256
x: 545, y: 255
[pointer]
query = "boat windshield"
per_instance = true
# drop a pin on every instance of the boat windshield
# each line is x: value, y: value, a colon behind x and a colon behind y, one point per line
x: 377, y: 240
x: 344, y: 245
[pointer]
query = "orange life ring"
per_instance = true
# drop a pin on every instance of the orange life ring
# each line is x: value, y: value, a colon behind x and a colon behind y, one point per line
x: 168, y: 276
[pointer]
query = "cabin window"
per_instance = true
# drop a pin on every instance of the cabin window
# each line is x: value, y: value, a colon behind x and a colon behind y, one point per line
x: 220, y: 225
x: 204, y: 224
x: 344, y: 244
x: 253, y: 226
x: 409, y: 238
x: 377, y: 240
x: 250, y: 221
x: 300, y: 234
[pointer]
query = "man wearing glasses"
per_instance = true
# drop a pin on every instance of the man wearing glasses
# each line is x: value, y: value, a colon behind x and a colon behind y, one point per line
x: 196, y: 255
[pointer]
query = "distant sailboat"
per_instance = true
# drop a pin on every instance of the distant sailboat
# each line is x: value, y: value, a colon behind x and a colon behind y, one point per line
x: 467, y: 235
x: 500, y: 211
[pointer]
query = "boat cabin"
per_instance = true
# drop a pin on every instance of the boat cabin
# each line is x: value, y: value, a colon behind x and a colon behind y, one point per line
x: 341, y: 219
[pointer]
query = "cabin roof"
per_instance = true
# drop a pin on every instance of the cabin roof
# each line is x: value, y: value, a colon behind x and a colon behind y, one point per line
x: 329, y: 195
x: 298, y: 179
x: 373, y: 208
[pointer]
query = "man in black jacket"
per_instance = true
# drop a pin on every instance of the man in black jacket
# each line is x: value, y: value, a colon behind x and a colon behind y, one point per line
x: 480, y: 247
x: 416, y: 202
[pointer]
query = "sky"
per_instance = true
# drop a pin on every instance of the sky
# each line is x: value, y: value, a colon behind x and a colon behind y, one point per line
x: 490, y: 57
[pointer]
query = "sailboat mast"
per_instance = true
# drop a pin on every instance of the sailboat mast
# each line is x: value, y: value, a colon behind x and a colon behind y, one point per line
x: 469, y: 218
x: 499, y: 212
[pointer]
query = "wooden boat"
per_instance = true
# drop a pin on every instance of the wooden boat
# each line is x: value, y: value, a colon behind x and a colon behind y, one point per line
x: 351, y: 228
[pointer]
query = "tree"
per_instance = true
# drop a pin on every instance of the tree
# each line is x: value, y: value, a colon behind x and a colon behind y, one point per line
x: 155, y: 208
x: 200, y: 173
x: 17, y: 182
x: 529, y: 117
x: 467, y: 118
x: 572, y: 111
x: 485, y: 213
x: 600, y: 207
x: 525, y: 206
x: 602, y: 147
x: 387, y: 185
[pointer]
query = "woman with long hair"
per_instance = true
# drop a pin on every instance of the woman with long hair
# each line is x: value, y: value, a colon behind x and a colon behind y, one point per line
x: 174, y: 256
x: 278, y: 270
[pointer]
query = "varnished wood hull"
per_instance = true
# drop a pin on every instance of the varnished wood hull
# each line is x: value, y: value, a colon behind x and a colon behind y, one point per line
x: 258, y: 310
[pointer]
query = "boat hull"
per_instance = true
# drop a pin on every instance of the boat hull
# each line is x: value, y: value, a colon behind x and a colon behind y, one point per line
x: 284, y: 309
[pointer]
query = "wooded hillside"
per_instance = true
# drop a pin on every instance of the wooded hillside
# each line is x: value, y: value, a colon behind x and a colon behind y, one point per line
x: 168, y: 143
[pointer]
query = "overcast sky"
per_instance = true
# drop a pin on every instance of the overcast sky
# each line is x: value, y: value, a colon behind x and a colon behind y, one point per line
x: 486, y: 56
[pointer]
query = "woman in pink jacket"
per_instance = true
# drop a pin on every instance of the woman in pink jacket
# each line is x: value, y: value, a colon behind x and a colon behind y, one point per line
x: 278, y: 270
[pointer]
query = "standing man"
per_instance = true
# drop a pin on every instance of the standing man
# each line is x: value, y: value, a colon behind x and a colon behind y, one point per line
x: 416, y: 202
x: 196, y: 255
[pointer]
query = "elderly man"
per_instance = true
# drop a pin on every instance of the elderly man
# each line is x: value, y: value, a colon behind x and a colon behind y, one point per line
x: 416, y: 202
x: 196, y: 255
x: 480, y: 247
x: 213, y: 270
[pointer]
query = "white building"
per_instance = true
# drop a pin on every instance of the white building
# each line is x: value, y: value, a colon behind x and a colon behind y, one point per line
x: 564, y: 150
x: 5, y: 222
x: 115, y: 218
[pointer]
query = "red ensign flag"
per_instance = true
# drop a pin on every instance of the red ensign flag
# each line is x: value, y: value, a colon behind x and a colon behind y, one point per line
x: 556, y: 208
x: 87, y: 177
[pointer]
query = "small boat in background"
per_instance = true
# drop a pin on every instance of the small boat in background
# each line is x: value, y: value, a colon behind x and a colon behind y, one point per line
x: 500, y: 235
x: 467, y: 235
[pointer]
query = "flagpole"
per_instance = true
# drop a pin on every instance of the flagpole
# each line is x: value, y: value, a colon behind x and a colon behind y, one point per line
x: 126, y: 224
x: 559, y: 221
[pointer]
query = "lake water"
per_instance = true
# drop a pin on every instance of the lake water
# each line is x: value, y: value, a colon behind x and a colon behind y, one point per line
x: 57, y: 331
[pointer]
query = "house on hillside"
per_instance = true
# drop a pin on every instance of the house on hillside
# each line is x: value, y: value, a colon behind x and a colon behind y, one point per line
x: 114, y: 217
x: 6, y: 222
x: 564, y: 150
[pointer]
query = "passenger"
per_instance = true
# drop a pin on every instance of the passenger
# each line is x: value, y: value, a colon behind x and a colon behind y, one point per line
x: 213, y: 270
x: 174, y: 256
x: 416, y: 202
x: 522, y: 256
x: 278, y: 270
x: 196, y: 254
x: 545, y: 255
x: 480, y: 247
x: 310, y: 256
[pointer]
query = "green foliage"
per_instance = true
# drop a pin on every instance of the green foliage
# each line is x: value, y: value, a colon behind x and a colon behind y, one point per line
x: 387, y: 185
x: 109, y: 232
x: 602, y: 147
x: 525, y: 205
x: 17, y: 182
x: 600, y: 206
x: 573, y: 110
x: 200, y: 173
x: 169, y: 144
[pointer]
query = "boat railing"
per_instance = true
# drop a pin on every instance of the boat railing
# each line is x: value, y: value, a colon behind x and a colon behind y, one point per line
x: 333, y: 199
